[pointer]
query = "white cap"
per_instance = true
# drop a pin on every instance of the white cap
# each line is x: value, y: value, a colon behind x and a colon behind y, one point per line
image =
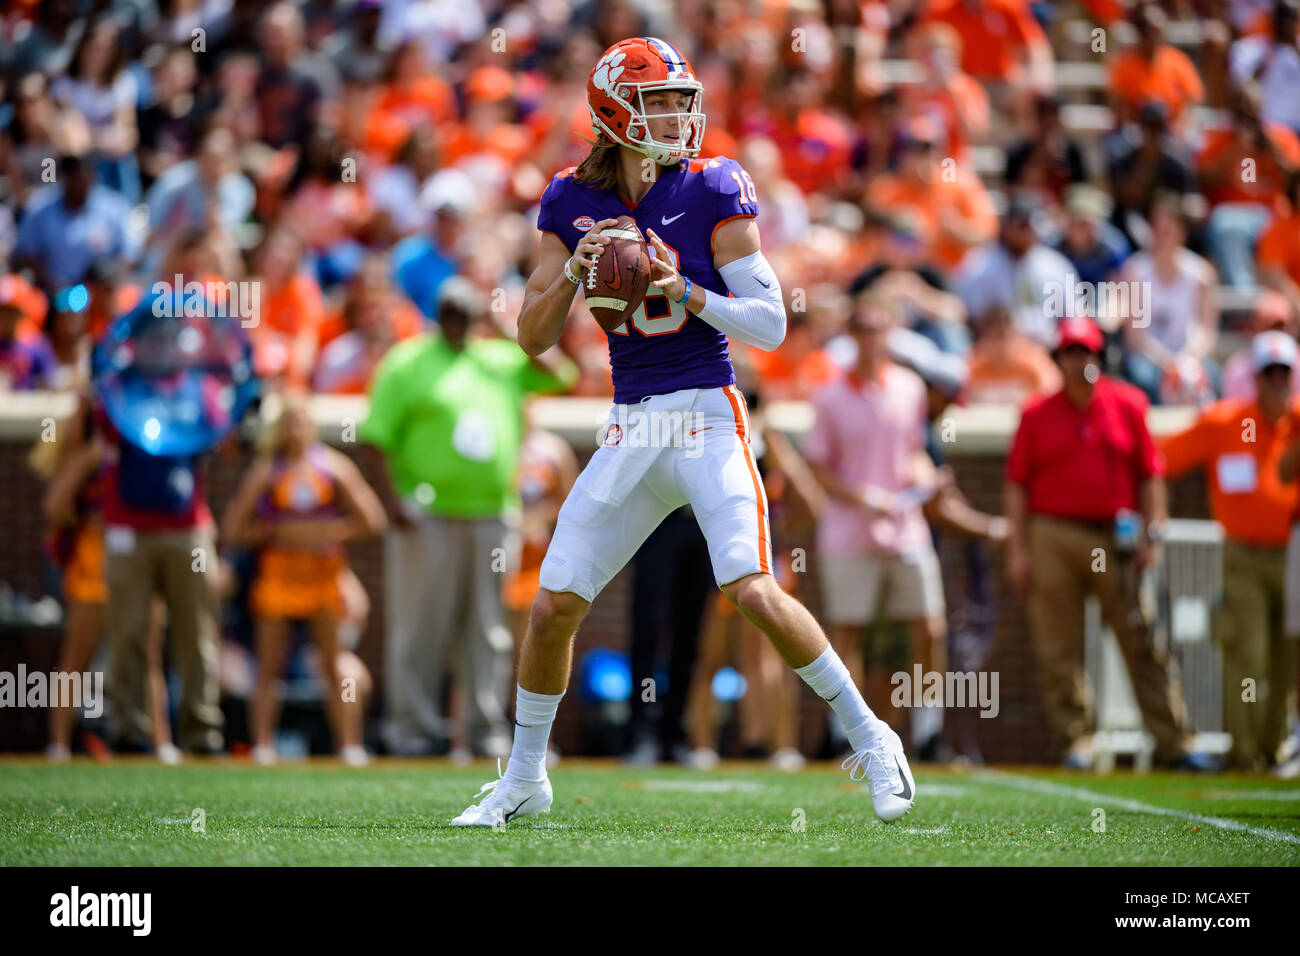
x: 449, y: 189
x: 1272, y: 348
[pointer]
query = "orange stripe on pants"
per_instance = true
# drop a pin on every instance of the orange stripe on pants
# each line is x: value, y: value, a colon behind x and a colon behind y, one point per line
x: 742, y: 430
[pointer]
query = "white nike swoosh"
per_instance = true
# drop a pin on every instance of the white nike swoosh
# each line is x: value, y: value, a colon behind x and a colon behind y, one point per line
x: 665, y: 220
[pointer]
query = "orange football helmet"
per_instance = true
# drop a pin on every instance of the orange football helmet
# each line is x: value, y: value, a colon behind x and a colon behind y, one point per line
x: 615, y: 97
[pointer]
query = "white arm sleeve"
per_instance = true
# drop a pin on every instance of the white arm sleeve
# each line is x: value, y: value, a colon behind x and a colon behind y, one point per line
x: 757, y: 313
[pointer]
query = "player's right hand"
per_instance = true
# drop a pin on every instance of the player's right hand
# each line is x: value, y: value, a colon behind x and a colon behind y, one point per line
x: 590, y: 244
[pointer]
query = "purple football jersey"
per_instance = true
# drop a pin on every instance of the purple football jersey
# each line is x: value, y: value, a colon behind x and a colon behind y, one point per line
x: 662, y: 347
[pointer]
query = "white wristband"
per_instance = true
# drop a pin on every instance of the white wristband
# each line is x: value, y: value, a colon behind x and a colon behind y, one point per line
x: 568, y: 273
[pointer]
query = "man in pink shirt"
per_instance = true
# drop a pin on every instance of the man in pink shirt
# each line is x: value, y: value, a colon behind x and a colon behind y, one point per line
x: 867, y: 448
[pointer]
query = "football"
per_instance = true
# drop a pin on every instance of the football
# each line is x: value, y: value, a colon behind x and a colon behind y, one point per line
x: 615, y: 286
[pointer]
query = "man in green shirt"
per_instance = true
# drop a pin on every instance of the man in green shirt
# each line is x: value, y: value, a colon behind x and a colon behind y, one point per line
x: 446, y: 411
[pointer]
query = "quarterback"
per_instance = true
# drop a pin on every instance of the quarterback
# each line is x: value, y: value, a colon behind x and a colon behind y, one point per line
x: 709, y: 281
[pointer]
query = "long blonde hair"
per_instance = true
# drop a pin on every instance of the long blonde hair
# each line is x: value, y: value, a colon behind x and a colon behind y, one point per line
x: 600, y: 166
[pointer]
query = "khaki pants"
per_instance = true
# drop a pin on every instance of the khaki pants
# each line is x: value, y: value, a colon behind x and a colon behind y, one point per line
x: 1249, y: 629
x: 1062, y: 555
x: 138, y: 565
x: 443, y: 581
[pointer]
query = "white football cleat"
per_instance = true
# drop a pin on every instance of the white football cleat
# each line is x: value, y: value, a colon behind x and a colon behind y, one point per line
x: 506, y: 800
x: 893, y: 791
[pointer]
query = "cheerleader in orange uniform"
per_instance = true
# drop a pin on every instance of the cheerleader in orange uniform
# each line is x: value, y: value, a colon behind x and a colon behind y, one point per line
x: 301, y: 503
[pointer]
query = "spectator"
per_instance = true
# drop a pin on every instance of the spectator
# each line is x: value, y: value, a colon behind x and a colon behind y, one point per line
x: 1273, y: 61
x: 300, y: 504
x: 1086, y: 501
x: 329, y: 208
x: 1018, y: 273
x: 865, y: 448
x: 444, y: 411
x: 1006, y: 366
x: 902, y: 275
x: 1095, y: 247
x: 1243, y: 168
x: 170, y: 125
x: 1278, y: 253
x: 71, y: 224
x: 99, y: 86
x: 194, y: 192
x: 1142, y: 163
x: 421, y: 263
x: 26, y: 361
x: 1001, y: 42
x: 287, y: 335
x: 56, y: 28
x: 1167, y: 348
x: 1048, y: 160
x: 1270, y: 313
x: 375, y: 318
x: 29, y: 139
x: 1240, y: 442
x: 395, y: 190
x: 288, y: 95
x: 948, y: 200
x: 953, y: 100
x: 69, y: 339
x: 411, y: 99
x: 1152, y: 71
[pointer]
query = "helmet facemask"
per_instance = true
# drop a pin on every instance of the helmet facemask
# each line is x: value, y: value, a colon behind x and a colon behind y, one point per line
x: 690, y: 123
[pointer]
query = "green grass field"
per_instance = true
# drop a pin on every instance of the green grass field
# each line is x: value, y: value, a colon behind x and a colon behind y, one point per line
x: 320, y: 813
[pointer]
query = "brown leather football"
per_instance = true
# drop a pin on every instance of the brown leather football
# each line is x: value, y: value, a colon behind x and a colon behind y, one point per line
x: 615, y: 286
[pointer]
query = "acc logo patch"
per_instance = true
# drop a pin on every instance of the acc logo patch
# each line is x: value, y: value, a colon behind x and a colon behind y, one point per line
x: 613, y: 435
x: 584, y: 223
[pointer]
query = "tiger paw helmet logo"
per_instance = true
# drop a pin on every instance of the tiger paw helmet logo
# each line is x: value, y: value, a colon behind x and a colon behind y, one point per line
x: 608, y: 70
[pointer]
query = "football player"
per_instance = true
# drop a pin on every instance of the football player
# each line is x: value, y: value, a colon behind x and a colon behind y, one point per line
x: 669, y: 362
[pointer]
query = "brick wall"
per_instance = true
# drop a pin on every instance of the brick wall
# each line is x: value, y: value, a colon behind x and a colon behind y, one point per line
x: 1017, y: 735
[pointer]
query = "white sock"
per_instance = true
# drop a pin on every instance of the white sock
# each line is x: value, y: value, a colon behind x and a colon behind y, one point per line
x: 534, y: 714
x: 829, y: 679
x: 926, y: 722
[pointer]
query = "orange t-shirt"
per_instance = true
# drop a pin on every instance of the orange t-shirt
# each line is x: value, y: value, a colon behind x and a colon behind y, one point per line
x: 1011, y: 375
x: 406, y: 318
x: 1246, y: 496
x: 1268, y: 182
x: 963, y: 200
x: 293, y: 309
x: 783, y: 377
x: 1170, y: 78
x: 962, y: 97
x: 427, y: 101
x: 31, y: 302
x: 1279, y: 245
x: 992, y: 33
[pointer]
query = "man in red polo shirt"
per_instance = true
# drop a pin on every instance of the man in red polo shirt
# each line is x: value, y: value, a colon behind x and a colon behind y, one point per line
x: 1085, y: 498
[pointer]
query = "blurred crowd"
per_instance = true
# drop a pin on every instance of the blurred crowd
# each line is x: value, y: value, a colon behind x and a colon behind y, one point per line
x: 987, y: 168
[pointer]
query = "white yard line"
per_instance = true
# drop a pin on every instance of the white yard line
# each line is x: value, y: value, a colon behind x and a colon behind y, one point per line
x: 1124, y: 803
x: 1291, y: 796
x: 703, y: 786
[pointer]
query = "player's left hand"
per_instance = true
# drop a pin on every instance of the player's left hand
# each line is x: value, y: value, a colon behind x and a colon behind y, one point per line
x: 663, y: 274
